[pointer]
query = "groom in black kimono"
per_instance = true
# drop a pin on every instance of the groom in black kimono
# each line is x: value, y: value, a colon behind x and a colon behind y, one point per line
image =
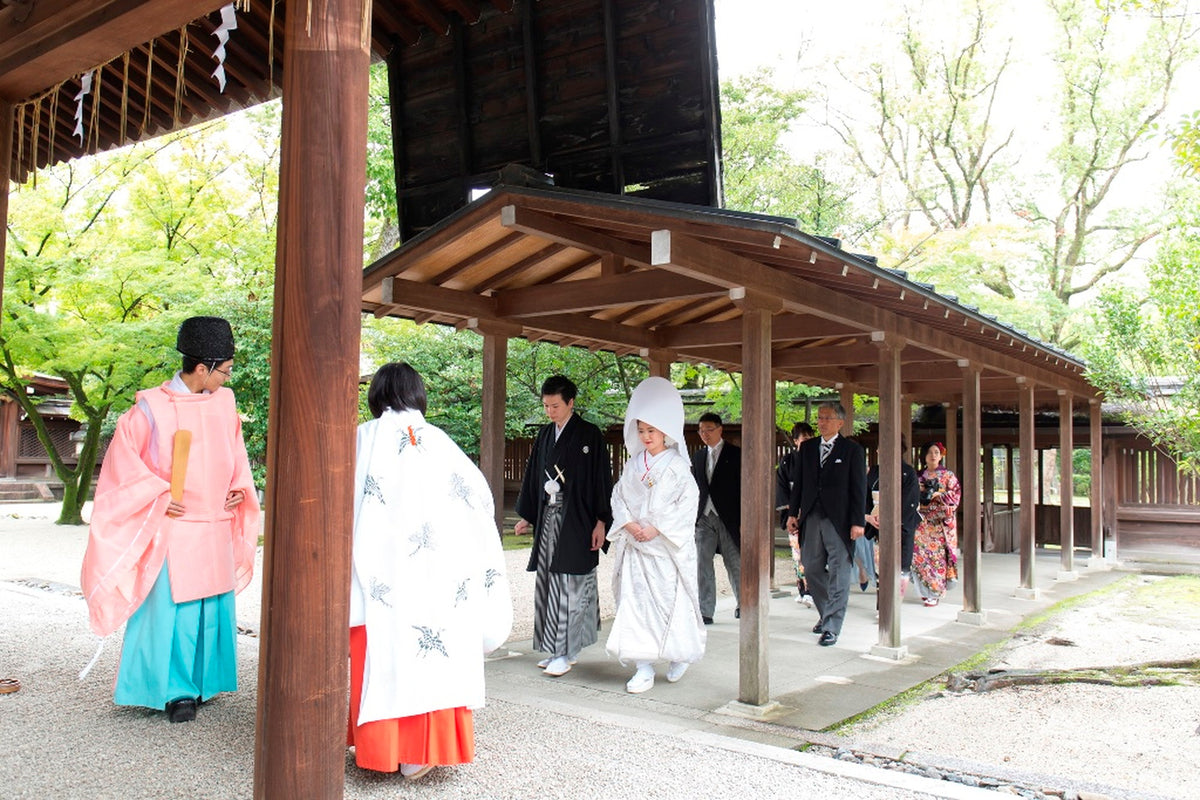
x: 567, y: 491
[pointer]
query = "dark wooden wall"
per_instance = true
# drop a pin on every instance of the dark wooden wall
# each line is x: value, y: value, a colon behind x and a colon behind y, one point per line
x: 615, y: 96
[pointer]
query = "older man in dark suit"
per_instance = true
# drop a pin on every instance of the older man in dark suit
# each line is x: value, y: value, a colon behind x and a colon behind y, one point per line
x: 717, y: 468
x: 827, y: 507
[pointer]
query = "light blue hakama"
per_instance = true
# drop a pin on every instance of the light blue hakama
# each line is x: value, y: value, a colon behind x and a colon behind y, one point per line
x: 173, y: 650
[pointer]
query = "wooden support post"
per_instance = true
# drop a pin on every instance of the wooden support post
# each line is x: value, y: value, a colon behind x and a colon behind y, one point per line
x: 1009, y: 476
x: 846, y: 395
x: 1111, y: 495
x: 951, y: 442
x: 758, y: 495
x: 300, y: 743
x: 1066, y: 487
x: 969, y: 477
x: 659, y: 362
x: 989, y: 498
x: 495, y: 396
x: 1096, y: 495
x: 10, y: 436
x: 891, y: 416
x: 6, y: 140
x: 9, y: 410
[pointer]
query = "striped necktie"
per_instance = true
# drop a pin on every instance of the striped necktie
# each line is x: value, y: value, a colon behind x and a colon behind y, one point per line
x: 826, y: 447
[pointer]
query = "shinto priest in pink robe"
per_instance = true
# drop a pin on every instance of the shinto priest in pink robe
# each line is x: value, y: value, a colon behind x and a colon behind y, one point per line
x: 172, y: 579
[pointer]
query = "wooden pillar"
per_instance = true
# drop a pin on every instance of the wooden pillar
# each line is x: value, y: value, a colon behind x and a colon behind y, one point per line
x: 1096, y: 495
x: 1028, y: 514
x: 6, y: 141
x: 951, y: 442
x: 300, y: 745
x: 891, y: 423
x: 1041, y: 477
x: 10, y: 435
x: 969, y: 477
x: 495, y: 395
x: 659, y: 362
x: 989, y: 498
x: 846, y: 395
x: 758, y: 493
x: 1066, y: 492
x: 1008, y: 477
x: 1111, y: 467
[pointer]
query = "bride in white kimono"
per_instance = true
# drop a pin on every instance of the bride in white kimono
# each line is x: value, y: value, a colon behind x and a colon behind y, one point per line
x: 654, y: 542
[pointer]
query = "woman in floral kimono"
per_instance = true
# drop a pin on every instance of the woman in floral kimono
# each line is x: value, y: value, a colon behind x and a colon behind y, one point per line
x: 654, y: 542
x: 429, y: 596
x: 935, y: 562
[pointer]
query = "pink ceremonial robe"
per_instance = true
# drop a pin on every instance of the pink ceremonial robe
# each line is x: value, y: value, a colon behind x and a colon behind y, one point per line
x: 208, y: 550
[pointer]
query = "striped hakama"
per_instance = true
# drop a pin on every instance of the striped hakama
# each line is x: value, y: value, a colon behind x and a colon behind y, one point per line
x: 566, y: 608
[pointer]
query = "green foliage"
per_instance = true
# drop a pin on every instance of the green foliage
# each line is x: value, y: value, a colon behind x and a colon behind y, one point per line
x: 1185, y: 143
x: 108, y: 254
x: 381, y: 210
x: 1146, y: 355
x: 760, y: 175
x: 1027, y: 236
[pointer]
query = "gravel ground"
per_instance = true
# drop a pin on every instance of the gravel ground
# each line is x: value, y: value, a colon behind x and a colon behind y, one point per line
x: 1145, y: 738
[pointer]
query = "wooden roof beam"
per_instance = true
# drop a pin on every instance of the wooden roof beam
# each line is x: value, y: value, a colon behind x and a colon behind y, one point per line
x: 482, y: 254
x: 397, y: 293
x: 645, y: 286
x: 831, y: 356
x: 59, y: 40
x: 547, y: 227
x: 521, y: 266
x: 689, y: 256
x: 432, y: 16
x: 582, y: 327
x: 793, y: 327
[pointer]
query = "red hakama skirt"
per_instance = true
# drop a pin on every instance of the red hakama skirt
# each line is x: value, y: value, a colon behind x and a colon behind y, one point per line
x: 442, y: 737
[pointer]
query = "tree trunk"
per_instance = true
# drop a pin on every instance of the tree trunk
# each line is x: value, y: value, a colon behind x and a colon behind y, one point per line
x: 72, y: 504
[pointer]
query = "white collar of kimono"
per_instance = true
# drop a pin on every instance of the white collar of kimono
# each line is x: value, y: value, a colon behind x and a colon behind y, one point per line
x: 655, y: 401
x: 398, y: 419
x: 179, y: 387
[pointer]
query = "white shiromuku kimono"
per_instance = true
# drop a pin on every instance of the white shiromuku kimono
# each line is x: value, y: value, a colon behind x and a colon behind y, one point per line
x: 654, y: 582
x: 428, y: 577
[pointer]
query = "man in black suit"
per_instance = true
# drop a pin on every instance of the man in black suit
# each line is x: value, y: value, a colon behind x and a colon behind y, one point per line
x: 717, y: 468
x: 827, y: 507
x: 910, y: 516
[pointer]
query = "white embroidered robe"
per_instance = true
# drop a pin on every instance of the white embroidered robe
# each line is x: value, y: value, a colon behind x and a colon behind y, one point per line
x: 428, y: 577
x: 654, y: 582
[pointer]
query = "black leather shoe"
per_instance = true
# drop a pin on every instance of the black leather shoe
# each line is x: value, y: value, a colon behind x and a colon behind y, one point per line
x: 817, y: 628
x: 182, y: 710
x: 707, y: 620
x: 737, y: 613
x: 827, y: 638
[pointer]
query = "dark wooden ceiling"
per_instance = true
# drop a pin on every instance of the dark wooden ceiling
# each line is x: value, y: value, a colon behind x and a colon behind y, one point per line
x: 609, y: 95
x: 46, y: 45
x: 663, y: 279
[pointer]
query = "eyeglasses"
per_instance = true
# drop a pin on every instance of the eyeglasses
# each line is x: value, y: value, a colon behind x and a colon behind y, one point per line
x: 227, y: 374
